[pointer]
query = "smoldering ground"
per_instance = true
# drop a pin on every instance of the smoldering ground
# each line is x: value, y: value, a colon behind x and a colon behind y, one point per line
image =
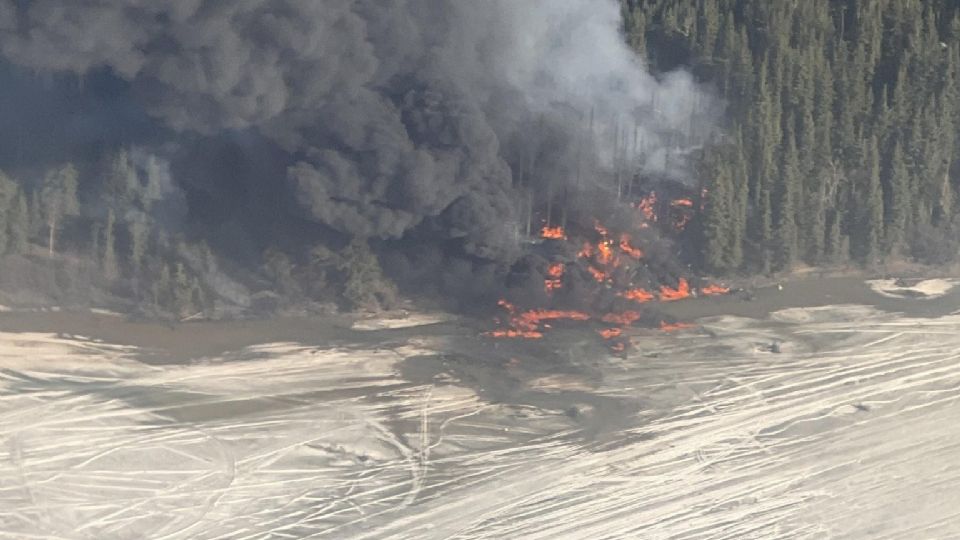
x: 297, y: 122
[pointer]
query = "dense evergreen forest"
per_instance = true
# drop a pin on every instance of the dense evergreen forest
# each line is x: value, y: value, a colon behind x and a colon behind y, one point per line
x: 842, y: 122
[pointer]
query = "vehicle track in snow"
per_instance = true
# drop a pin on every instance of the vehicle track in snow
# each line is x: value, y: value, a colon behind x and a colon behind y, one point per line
x: 848, y: 432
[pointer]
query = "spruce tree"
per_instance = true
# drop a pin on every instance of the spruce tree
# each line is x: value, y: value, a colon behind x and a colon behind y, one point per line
x: 786, y: 218
x: 182, y: 292
x: 18, y: 225
x: 869, y: 206
x: 161, y: 288
x: 635, y: 26
x: 764, y: 124
x: 897, y: 208
x: 739, y: 204
x: 58, y: 199
x: 717, y: 219
x: 137, y: 232
x: 120, y: 183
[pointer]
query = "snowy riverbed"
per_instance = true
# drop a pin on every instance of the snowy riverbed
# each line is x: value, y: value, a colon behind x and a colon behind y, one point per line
x: 925, y: 288
x: 829, y: 422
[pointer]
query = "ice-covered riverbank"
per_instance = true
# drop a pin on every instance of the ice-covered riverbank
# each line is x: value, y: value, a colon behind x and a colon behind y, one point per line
x: 814, y: 422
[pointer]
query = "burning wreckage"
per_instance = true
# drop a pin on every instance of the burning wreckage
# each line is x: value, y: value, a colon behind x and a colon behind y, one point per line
x: 609, y: 272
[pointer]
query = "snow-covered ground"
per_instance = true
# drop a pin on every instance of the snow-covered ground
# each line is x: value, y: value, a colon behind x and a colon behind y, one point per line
x: 407, y: 320
x: 834, y: 422
x: 926, y: 288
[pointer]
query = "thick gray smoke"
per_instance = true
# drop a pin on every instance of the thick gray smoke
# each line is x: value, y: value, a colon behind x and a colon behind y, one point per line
x: 391, y: 111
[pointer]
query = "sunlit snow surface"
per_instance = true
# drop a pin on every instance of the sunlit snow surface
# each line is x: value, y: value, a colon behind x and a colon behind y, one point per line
x: 851, y: 430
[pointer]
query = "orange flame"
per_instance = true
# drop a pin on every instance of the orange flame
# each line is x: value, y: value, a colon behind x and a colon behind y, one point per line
x: 598, y: 274
x: 623, y: 319
x: 647, y: 207
x: 610, y: 333
x: 515, y: 334
x: 601, y: 259
x: 586, y: 252
x: 625, y: 246
x: 605, y: 253
x: 715, y: 290
x: 530, y: 324
x: 554, y: 280
x: 553, y: 233
x: 682, y: 291
x: 638, y: 295
x: 534, y: 317
x: 673, y: 327
x: 681, y: 215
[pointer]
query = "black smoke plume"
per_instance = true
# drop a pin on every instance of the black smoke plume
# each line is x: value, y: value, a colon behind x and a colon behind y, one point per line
x: 399, y: 121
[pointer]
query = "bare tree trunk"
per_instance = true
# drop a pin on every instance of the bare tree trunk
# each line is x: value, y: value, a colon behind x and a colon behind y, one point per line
x: 579, y: 158
x: 52, y: 224
x: 617, y: 141
x: 563, y: 209
x: 550, y: 204
x: 529, y: 206
x: 634, y: 152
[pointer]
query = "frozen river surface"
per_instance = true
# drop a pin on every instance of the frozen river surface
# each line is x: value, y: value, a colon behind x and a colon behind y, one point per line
x: 832, y: 422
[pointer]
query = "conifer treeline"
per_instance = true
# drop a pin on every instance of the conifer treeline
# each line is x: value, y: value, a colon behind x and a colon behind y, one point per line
x: 100, y: 233
x: 842, y: 125
x: 109, y: 233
